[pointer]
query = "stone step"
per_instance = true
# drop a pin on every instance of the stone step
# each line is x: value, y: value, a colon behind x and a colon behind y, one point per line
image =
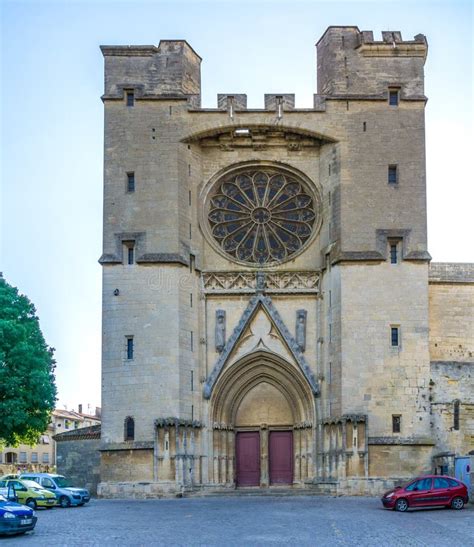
x: 309, y: 490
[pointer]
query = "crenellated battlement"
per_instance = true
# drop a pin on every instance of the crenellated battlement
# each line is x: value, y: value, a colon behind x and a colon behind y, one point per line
x: 351, y: 65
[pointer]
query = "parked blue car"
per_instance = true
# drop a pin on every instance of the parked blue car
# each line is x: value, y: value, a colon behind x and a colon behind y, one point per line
x: 15, y: 518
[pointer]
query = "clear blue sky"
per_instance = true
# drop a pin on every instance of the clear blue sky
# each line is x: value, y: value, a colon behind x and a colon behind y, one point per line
x: 52, y: 124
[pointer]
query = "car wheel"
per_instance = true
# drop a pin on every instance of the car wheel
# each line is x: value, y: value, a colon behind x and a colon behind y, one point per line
x: 64, y: 501
x: 49, y: 507
x: 31, y: 503
x: 401, y: 505
x: 457, y: 503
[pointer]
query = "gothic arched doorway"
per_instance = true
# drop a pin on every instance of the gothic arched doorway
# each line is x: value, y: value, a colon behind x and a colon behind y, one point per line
x: 263, y: 416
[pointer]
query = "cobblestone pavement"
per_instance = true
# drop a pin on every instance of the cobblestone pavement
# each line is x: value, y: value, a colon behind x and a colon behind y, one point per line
x: 296, y: 520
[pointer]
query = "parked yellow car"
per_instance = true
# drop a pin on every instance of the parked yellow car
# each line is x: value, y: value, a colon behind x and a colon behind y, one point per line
x: 30, y: 493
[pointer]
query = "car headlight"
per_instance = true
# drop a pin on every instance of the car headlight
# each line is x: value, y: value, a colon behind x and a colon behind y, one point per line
x: 40, y: 498
x: 9, y: 515
x: 390, y: 495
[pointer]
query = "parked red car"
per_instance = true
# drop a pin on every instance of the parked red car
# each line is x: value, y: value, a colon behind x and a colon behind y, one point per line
x: 427, y: 491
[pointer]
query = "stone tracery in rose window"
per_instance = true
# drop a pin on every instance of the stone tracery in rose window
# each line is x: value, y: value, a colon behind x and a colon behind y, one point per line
x: 261, y: 216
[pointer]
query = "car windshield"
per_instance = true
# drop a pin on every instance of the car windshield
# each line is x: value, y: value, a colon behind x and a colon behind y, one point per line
x: 62, y: 482
x: 31, y: 484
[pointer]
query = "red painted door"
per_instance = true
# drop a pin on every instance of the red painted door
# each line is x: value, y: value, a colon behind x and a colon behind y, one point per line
x: 247, y: 450
x: 280, y: 453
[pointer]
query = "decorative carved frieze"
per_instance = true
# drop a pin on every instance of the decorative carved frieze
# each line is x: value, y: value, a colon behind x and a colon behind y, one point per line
x: 246, y: 282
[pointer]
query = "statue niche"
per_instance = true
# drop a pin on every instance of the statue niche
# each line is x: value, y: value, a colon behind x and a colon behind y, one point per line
x: 220, y: 330
x: 300, y: 334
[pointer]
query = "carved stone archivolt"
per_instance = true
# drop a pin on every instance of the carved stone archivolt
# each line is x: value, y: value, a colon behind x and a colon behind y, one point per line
x: 275, y: 282
x: 265, y: 302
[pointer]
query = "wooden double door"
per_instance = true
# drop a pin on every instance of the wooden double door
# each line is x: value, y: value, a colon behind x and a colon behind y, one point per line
x: 249, y: 459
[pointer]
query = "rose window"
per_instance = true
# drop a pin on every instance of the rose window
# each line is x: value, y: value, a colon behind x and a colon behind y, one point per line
x: 261, y: 216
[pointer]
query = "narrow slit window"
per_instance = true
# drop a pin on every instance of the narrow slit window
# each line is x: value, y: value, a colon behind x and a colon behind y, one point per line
x: 130, y: 98
x: 396, y: 423
x: 130, y: 254
x: 392, y: 174
x: 192, y: 380
x: 190, y: 300
x: 129, y: 429
x: 393, y: 97
x: 395, y: 337
x: 130, y: 348
x: 393, y: 253
x: 131, y: 182
x: 191, y: 340
x: 456, y: 415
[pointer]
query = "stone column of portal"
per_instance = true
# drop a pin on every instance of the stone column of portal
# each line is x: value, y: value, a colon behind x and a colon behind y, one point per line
x: 216, y: 456
x: 156, y: 443
x: 297, y: 452
x: 304, y: 453
x: 184, y: 459
x: 231, y: 434
x: 176, y: 456
x: 191, y: 461
x: 309, y: 456
x: 342, y: 468
x: 223, y: 459
x: 264, y: 472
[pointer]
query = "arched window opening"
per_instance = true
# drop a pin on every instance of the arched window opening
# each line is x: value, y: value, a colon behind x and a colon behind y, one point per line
x: 129, y: 429
x: 456, y: 415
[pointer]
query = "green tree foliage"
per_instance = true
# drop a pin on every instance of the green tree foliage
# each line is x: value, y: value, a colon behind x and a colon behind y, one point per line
x: 27, y: 387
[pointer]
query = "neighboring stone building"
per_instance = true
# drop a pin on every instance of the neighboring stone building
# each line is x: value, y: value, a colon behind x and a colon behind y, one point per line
x: 42, y: 457
x: 266, y: 306
x: 78, y: 456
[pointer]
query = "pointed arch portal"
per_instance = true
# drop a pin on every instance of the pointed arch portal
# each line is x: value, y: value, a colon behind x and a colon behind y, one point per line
x: 263, y: 415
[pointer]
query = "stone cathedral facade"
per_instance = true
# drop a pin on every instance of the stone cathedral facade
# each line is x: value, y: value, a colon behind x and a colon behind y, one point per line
x: 266, y: 279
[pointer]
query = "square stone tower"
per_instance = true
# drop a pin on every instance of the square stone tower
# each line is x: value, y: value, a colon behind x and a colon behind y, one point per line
x: 265, y: 274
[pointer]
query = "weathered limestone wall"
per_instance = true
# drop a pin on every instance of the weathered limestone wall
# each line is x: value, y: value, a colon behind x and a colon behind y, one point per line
x: 127, y: 466
x: 79, y: 461
x: 453, y: 381
x: 399, y: 460
x: 378, y: 379
x: 451, y: 292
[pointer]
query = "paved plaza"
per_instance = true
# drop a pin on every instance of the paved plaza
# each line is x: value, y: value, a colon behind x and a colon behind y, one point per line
x: 296, y: 520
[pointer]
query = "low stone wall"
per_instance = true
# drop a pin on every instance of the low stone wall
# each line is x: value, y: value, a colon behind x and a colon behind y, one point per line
x: 138, y: 490
x: 78, y: 457
x: 373, y: 486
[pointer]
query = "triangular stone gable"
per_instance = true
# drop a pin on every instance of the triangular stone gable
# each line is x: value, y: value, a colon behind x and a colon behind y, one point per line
x: 260, y: 333
x: 257, y: 301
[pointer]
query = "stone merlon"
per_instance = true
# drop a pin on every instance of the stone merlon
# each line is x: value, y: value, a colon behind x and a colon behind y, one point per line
x: 351, y: 65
